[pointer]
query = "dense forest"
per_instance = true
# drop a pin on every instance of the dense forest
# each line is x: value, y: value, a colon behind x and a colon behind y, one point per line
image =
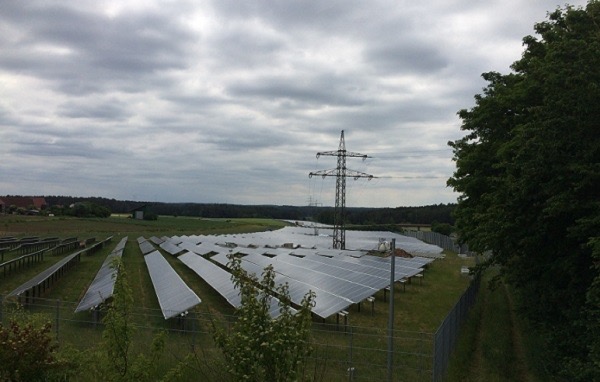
x: 439, y: 213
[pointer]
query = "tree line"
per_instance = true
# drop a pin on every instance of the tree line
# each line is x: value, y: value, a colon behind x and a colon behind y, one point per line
x: 437, y: 213
x: 528, y: 174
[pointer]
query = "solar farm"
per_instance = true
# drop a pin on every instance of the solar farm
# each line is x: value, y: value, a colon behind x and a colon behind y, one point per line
x: 339, y: 278
x: 301, y: 256
x: 179, y: 279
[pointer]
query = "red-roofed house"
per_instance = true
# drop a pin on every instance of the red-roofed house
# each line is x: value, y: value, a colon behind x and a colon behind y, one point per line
x: 27, y: 202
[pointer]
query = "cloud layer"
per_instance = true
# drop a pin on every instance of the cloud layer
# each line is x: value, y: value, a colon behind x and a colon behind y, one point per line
x: 229, y: 101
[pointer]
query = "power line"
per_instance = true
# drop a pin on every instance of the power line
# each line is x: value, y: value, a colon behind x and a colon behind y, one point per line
x: 414, y: 177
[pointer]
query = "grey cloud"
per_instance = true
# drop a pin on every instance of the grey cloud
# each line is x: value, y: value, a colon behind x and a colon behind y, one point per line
x: 192, y: 102
x: 406, y: 56
x: 62, y: 149
x: 321, y: 90
x: 307, y: 15
x: 113, y: 111
x: 99, y: 52
x: 244, y: 46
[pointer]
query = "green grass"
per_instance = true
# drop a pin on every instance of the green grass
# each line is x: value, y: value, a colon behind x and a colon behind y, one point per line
x: 494, y: 345
x: 19, y: 226
x: 419, y: 310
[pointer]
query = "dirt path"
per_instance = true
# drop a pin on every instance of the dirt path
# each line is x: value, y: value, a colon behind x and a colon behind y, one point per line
x: 522, y: 371
x: 477, y: 361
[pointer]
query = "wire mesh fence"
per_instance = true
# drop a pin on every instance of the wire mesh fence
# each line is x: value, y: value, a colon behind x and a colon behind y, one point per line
x: 340, y: 352
x: 447, y: 334
x: 442, y: 241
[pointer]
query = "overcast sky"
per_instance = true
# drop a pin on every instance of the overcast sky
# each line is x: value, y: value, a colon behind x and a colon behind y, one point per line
x: 229, y: 101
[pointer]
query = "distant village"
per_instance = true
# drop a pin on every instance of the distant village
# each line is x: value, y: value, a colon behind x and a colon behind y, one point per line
x: 22, y: 205
x: 39, y: 205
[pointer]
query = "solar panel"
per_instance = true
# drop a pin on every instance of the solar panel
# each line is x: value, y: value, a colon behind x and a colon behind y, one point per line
x: 121, y: 245
x: 220, y: 281
x: 250, y: 251
x: 383, y: 264
x: 173, y: 239
x: 316, y: 278
x: 303, y: 257
x: 156, y: 240
x: 44, y: 275
x: 174, y: 296
x: 170, y: 247
x: 340, y: 269
x: 357, y: 242
x: 103, y: 285
x: 326, y: 304
x: 422, y: 261
x: 146, y: 247
x: 200, y: 249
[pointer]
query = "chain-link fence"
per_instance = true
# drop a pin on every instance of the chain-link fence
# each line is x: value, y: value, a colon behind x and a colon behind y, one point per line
x: 341, y: 352
x: 446, y: 336
x: 442, y: 241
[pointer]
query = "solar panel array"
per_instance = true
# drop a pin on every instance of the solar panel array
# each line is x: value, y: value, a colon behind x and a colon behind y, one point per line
x: 326, y: 303
x: 220, y: 280
x: 174, y: 296
x: 103, y: 285
x: 306, y: 262
x: 333, y: 282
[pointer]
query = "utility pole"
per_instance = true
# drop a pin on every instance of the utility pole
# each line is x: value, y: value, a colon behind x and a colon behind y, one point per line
x: 341, y: 173
x: 390, y: 354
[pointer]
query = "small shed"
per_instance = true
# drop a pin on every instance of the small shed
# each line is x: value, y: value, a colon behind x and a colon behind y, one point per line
x: 138, y: 212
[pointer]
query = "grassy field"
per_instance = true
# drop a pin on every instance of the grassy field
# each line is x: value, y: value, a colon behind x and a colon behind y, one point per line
x: 420, y: 308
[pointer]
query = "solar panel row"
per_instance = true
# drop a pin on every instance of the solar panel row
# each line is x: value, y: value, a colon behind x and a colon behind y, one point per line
x: 220, y: 280
x: 174, y: 296
x: 103, y: 285
x: 38, y: 283
x: 326, y: 303
x: 334, y: 284
x: 305, y: 237
x: 45, y: 275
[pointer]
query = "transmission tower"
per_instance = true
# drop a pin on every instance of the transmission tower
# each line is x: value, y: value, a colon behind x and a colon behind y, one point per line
x: 341, y: 173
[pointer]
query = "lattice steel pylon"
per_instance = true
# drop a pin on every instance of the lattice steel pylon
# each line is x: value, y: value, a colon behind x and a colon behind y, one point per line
x: 341, y: 173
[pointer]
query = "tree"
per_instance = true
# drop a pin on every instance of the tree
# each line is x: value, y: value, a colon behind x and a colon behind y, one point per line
x: 29, y: 352
x: 443, y: 228
x: 114, y: 359
x: 87, y: 210
x: 258, y: 347
x: 528, y: 172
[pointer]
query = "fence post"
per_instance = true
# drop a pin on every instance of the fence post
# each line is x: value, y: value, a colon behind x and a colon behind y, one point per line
x: 57, y: 318
x: 351, y: 348
x: 422, y: 351
x: 1, y: 309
